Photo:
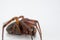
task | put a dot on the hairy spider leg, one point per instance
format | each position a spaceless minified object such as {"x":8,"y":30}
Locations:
{"x":14,"y":18}
{"x":35,"y":22}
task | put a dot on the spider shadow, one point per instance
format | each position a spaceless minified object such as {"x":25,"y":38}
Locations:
{"x":18,"y":37}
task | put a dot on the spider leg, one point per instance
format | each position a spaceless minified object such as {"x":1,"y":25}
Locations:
{"x":39,"y":30}
{"x":35,"y":22}
{"x":17,"y":21}
{"x":10,"y":21}
{"x":24,"y":24}
{"x":14,"y":18}
{"x":7,"y":24}
{"x":21,"y":17}
{"x":32,"y":22}
{"x":2,"y":33}
{"x":31,"y":37}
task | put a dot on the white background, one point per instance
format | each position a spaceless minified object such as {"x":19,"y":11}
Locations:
{"x":47,"y":12}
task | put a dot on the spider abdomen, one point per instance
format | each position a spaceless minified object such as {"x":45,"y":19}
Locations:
{"x":11,"y":29}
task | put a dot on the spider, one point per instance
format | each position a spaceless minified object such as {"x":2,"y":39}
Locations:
{"x":24,"y":26}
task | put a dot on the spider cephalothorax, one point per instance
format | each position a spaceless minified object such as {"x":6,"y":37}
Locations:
{"x":24,"y":26}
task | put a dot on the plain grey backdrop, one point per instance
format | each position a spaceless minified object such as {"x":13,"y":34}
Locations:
{"x":47,"y":12}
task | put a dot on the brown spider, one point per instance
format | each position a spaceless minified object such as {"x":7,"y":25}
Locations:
{"x":24,"y":26}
